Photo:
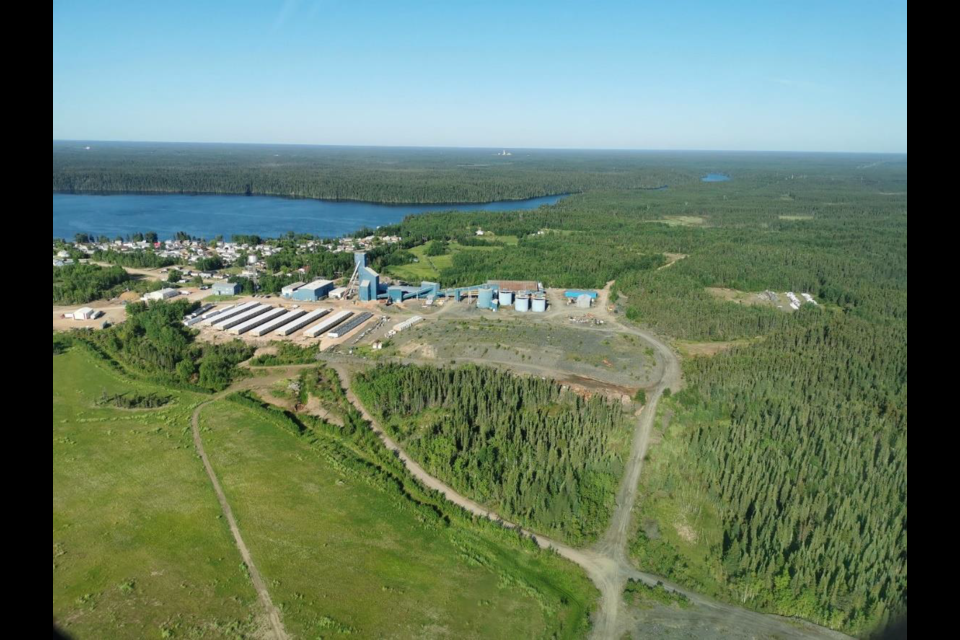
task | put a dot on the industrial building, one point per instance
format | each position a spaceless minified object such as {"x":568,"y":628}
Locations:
{"x":313,"y":291}
{"x":406,"y":324}
{"x":485,"y":297}
{"x":85,"y":313}
{"x":369,"y":288}
{"x":162,"y":294}
{"x":368,"y":279}
{"x":193,"y":318}
{"x":287,"y":291}
{"x":299,"y":323}
{"x":399,"y":293}
{"x":277,"y":322}
{"x":226,"y":288}
{"x":242,"y":317}
{"x":350,"y":325}
{"x":573,"y":294}
{"x":516,"y":286}
{"x":327,"y":324}
{"x":207,"y":317}
{"x":261,"y":318}
{"x":228,"y":312}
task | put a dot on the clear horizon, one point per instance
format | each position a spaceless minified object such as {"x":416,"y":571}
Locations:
{"x":478,"y":148}
{"x":616,"y":76}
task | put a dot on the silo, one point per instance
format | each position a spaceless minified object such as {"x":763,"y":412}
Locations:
{"x":484,"y":298}
{"x":506,"y":297}
{"x":539,"y":304}
{"x":522,"y":303}
{"x":583,"y":301}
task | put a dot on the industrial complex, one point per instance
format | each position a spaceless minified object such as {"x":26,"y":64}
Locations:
{"x":320,"y":310}
{"x":522,"y":295}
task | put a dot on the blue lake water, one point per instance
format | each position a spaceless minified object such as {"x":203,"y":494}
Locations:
{"x":715,"y":177}
{"x":208,"y":216}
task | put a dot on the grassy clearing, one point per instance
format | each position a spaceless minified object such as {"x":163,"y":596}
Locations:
{"x":691,"y":349}
{"x":681,"y":221}
{"x":430,"y":267}
{"x":679,"y":532}
{"x":342,"y":552}
{"x":139,"y":549}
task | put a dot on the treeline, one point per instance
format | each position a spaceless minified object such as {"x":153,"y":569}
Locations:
{"x":79,"y":283}
{"x":547,"y":458}
{"x":139,"y":259}
{"x":153,"y":342}
{"x":286,"y":352}
{"x":552,"y":259}
{"x":395,"y":176}
{"x":133,"y":400}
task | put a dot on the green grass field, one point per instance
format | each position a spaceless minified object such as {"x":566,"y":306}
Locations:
{"x":140,"y":548}
{"x":680,"y":530}
{"x":340,"y":553}
{"x":430,"y":267}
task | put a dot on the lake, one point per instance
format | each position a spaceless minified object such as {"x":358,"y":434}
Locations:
{"x":207,"y":216}
{"x":715,"y":177}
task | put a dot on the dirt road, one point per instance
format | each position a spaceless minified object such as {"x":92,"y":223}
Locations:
{"x":261,"y":587}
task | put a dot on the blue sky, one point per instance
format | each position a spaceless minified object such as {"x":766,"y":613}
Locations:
{"x":793,"y":76}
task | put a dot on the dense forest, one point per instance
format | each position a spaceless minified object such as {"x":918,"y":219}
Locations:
{"x":798,"y":446}
{"x":153,"y":342}
{"x":534,"y":453}
{"x":79,"y":283}
{"x":388,"y":175}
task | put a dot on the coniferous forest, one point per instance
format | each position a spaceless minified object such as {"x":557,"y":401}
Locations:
{"x":778,"y":477}
{"x":521,"y":446}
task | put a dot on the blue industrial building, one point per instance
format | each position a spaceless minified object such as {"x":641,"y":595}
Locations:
{"x":399,"y":293}
{"x":313,"y":291}
{"x":368,"y":279}
{"x":226,"y":288}
{"x":576,"y":293}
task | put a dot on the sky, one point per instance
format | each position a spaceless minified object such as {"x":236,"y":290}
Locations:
{"x":764,"y":75}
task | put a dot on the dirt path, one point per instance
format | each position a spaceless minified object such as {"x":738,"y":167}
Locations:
{"x":672,"y":259}
{"x":272,"y":612}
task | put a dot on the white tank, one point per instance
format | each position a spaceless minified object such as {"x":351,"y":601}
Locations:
{"x":522,"y":303}
{"x":539,"y":304}
{"x":506,"y":297}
